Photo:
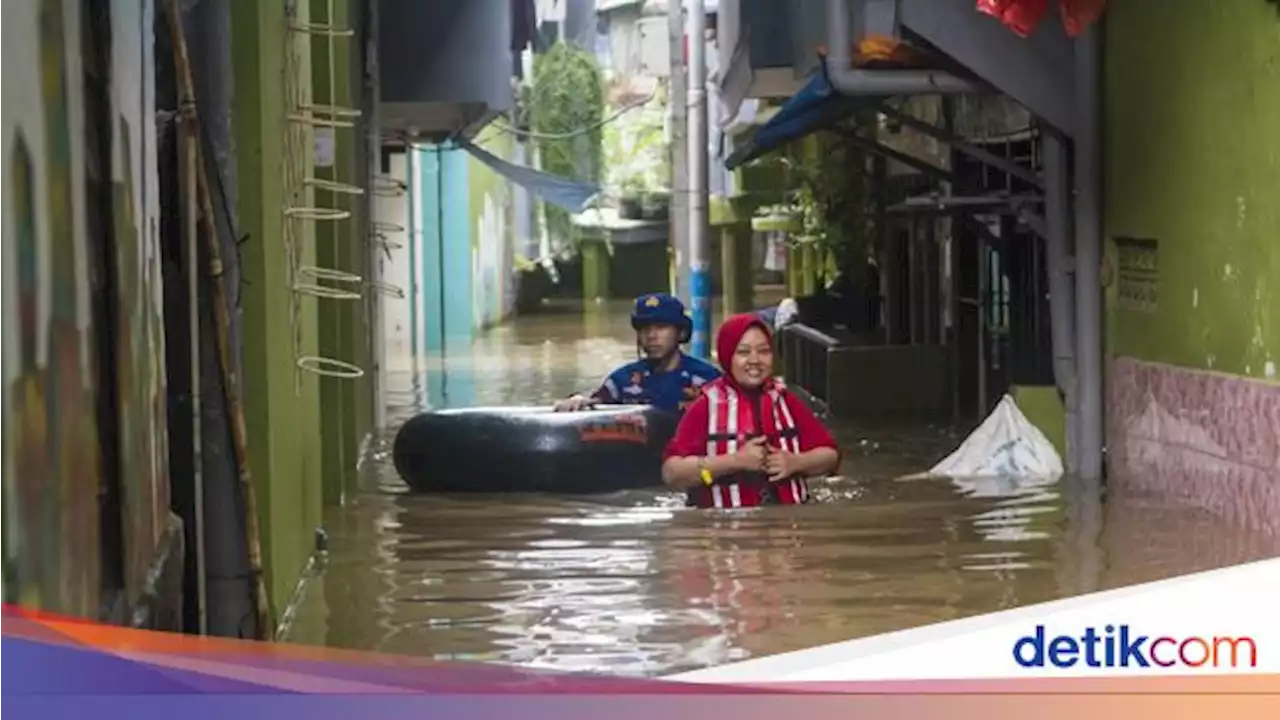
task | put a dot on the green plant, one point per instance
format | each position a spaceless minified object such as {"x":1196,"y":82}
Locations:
{"x":565,"y":108}
{"x":833,"y":196}
{"x":633,"y":186}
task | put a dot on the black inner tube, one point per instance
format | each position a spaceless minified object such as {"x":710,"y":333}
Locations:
{"x":514,"y":449}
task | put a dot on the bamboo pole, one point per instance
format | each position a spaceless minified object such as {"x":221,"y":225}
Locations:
{"x":190,"y":172}
{"x":190,"y":121}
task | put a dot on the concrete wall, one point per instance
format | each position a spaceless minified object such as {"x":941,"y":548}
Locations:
{"x":441,"y":232}
{"x":396,"y":332}
{"x":462,"y":230}
{"x":491,"y":202}
{"x":890,"y":381}
{"x":54,"y":530}
{"x":1193,"y":329}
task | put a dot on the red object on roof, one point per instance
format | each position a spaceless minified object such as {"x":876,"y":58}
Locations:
{"x":1080,"y":14}
{"x":994,"y":8}
{"x":1022,"y":16}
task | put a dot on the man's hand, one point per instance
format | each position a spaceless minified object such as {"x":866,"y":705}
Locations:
{"x":752,"y":454}
{"x":575,"y":403}
{"x":779,"y":465}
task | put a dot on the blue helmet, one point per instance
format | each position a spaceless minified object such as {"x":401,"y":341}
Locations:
{"x":664,"y":309}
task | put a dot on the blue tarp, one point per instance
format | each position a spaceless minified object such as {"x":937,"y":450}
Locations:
{"x":569,"y":194}
{"x":815,"y":107}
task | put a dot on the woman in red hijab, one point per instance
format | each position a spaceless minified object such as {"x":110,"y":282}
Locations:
{"x":746,"y":441}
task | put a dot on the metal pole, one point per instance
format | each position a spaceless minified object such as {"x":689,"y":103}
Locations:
{"x":189,"y":166}
{"x":376,"y":308}
{"x":699,"y":275}
{"x":983,"y":304}
{"x":678,"y":87}
{"x":1088,"y":256}
{"x":1061,"y":285}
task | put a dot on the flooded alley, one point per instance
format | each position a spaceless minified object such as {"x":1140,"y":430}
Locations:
{"x":635,"y":584}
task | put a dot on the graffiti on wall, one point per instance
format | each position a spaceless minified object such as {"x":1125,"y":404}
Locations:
{"x":493,"y":241}
{"x":51,"y":459}
{"x":488,"y":288}
{"x":52,"y":463}
{"x":139,"y":331}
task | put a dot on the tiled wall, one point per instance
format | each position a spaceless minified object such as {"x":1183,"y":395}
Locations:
{"x":1210,"y":439}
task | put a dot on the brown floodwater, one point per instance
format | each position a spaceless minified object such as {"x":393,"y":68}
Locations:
{"x":634,"y":583}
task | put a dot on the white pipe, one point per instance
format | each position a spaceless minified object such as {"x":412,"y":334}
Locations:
{"x":848,"y":80}
{"x":699,"y":270}
{"x":377,"y":305}
{"x":679,"y":151}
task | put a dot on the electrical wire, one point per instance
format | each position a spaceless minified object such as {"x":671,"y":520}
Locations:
{"x":502,"y":127}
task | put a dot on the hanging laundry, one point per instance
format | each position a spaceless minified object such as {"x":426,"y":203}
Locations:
{"x":1023,"y":16}
{"x":995,"y":8}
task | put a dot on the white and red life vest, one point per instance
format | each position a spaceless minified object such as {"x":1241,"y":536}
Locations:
{"x":730,"y":422}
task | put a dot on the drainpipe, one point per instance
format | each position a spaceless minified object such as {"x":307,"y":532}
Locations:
{"x":849,"y":80}
{"x":699,"y":275}
{"x":1061,"y":284}
{"x":1088,"y":253}
{"x":376,"y":307}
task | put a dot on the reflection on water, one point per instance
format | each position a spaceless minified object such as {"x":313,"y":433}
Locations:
{"x":634,"y":583}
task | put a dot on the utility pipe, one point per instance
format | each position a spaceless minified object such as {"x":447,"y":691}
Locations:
{"x":376,"y":305}
{"x":848,"y":80}
{"x":1088,"y":253}
{"x":679,"y":152}
{"x":699,"y":232}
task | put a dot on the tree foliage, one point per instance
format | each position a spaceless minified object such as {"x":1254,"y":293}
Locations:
{"x":565,"y":108}
{"x":833,"y":194}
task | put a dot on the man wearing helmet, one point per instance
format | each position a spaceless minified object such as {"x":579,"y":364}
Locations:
{"x":663,"y":377}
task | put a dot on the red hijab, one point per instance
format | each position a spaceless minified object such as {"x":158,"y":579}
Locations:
{"x":727,"y":339}
{"x":691,"y":434}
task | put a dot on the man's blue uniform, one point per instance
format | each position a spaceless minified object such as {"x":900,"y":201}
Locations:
{"x":638,"y":383}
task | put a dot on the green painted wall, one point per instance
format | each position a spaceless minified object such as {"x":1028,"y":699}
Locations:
{"x":1193,"y":161}
{"x":1044,"y":409}
{"x":282,"y":405}
{"x":346,"y":403}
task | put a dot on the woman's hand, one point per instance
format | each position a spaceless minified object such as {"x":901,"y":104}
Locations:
{"x":779,"y":465}
{"x":751,"y":456}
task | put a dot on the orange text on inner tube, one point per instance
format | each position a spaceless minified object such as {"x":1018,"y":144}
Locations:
{"x":625,"y":429}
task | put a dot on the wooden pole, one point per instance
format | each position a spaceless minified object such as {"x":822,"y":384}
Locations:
{"x":222,"y":316}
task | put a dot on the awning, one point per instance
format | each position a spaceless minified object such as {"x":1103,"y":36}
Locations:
{"x":815,"y":107}
{"x":571,"y":195}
